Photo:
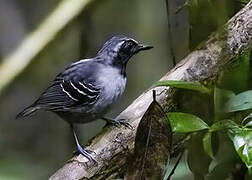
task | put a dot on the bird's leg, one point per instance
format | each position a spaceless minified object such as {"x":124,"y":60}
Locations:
{"x":80,"y":149}
{"x":117,"y":123}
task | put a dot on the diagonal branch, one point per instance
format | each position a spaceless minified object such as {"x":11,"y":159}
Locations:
{"x":113,"y":144}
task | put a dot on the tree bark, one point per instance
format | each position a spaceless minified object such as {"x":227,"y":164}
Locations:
{"x":113,"y":144}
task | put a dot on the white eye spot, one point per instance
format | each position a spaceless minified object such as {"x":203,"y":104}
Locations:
{"x":118,"y":46}
{"x":134,"y":41}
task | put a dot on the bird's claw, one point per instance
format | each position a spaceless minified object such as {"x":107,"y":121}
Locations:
{"x":120,"y":122}
{"x":86,"y":153}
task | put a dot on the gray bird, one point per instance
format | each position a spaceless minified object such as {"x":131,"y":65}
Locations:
{"x":87,"y":89}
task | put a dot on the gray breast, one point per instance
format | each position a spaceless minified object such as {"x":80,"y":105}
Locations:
{"x":113,"y":85}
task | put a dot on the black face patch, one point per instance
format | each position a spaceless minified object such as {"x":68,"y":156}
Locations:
{"x":127,"y":50}
{"x":128,"y":47}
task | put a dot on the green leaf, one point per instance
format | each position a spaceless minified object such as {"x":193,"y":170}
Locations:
{"x":243,"y":2}
{"x":242,"y":101}
{"x":184,"y":122}
{"x":249,"y":173}
{"x":245,"y":120}
{"x":198,"y":161}
{"x":195,"y":86}
{"x":223,"y":125}
{"x":223,"y":94}
{"x":242,"y":140}
{"x":207,"y":144}
{"x":249,"y":124}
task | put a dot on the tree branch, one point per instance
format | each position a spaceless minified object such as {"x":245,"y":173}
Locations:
{"x":113,"y":144}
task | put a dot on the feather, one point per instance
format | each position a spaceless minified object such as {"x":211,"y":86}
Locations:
{"x":27,"y":111}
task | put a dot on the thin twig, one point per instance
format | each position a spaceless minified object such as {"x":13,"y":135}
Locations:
{"x":146,"y":150}
{"x":187,"y":3}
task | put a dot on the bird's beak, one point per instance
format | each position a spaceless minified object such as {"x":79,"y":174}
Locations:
{"x":142,"y":47}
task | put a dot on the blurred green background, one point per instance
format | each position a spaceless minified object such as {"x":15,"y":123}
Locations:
{"x":35,"y":147}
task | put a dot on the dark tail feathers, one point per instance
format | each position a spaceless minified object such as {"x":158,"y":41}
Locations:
{"x":27,"y":111}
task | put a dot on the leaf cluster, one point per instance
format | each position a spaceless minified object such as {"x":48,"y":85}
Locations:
{"x":240,"y":134}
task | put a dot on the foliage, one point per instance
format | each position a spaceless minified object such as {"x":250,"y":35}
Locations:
{"x":195,"y":86}
{"x":239,"y":133}
{"x":184,"y":123}
{"x":242,"y":101}
{"x":242,"y":139}
{"x":243,"y":2}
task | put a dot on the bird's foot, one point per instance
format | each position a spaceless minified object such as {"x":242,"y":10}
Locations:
{"x":118,"y":123}
{"x":85,"y":152}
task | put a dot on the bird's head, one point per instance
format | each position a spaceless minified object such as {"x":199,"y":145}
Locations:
{"x":119,"y":49}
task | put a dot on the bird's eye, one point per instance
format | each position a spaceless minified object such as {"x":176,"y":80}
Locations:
{"x":128,"y":46}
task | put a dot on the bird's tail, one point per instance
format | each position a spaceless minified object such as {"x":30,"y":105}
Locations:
{"x":27,"y":111}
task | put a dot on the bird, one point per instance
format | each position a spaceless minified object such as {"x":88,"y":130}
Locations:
{"x":87,"y":88}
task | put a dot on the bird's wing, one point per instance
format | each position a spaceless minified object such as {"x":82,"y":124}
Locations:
{"x":70,"y":89}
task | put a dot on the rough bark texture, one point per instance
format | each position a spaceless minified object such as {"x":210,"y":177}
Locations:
{"x":113,"y":144}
